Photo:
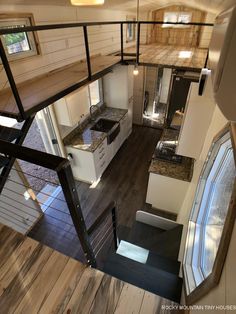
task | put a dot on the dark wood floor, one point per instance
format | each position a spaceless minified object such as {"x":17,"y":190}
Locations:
{"x":124,"y":181}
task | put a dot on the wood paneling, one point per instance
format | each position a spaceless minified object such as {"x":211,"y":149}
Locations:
{"x":181,"y":36}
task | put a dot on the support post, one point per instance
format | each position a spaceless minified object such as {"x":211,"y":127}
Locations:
{"x":114,"y":223}
{"x":138,"y":42}
{"x":122,"y":42}
{"x":11,"y":80}
{"x":87,"y":52}
{"x":68,"y":187}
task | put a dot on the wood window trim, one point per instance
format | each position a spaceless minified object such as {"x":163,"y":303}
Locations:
{"x":213,"y":279}
{"x":30,"y":16}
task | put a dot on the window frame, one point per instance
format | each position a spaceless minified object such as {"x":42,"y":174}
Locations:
{"x":133,"y":27}
{"x":100,"y":86}
{"x":213,"y":278}
{"x":32,"y":36}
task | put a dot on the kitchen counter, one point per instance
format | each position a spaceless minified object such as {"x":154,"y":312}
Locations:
{"x":181,"y":171}
{"x":88,"y":140}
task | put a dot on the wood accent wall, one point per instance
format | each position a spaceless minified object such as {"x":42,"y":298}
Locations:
{"x":187,"y":36}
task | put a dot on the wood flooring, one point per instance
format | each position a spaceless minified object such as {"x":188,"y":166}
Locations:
{"x":170,"y":56}
{"x":125,"y":181}
{"x":36,"y":279}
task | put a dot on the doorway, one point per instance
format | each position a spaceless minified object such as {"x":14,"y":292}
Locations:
{"x":156,"y":95}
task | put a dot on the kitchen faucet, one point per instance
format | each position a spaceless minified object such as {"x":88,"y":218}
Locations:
{"x":92,"y":111}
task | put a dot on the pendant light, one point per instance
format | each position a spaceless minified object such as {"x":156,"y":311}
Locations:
{"x":87,"y":2}
{"x":136,"y":71}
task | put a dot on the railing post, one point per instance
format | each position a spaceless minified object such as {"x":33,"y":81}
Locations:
{"x":87,"y":52}
{"x":114,"y":223}
{"x":138,"y":42}
{"x":11,"y":80}
{"x":69,"y":189}
{"x":122,"y":42}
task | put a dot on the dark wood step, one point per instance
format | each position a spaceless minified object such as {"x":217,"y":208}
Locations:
{"x":9,"y":134}
{"x":163,"y":242}
{"x":164,"y":263}
{"x":159,"y":212}
{"x":154,"y":280}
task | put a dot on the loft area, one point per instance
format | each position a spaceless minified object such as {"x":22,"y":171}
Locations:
{"x":57,"y":83}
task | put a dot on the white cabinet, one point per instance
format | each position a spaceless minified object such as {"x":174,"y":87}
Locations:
{"x":88,"y":166}
{"x":70,"y":109}
{"x":197,"y":118}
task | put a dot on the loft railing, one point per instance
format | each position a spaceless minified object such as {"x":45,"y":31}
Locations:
{"x":92,"y":239}
{"x":85,"y":26}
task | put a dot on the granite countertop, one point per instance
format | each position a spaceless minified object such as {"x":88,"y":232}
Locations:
{"x":181,"y":171}
{"x":88,"y":140}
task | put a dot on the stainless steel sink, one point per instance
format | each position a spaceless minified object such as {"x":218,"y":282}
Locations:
{"x":112,"y":128}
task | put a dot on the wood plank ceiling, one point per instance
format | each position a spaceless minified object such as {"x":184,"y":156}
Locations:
{"x":213,"y":6}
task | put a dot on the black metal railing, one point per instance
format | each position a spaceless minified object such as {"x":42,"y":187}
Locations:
{"x":63,"y":169}
{"x":90,"y":77}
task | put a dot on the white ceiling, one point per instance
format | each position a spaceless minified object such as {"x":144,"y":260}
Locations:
{"x":214,"y":6}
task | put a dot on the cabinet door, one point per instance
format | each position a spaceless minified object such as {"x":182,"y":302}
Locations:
{"x":70,"y":109}
{"x":82,"y":165}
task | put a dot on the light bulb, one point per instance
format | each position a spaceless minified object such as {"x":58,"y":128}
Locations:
{"x":135,"y":72}
{"x":87,"y":2}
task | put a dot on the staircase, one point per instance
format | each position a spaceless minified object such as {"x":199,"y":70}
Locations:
{"x":147,"y":257}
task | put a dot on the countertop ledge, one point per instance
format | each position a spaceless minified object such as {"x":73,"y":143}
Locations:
{"x":88,"y":140}
{"x":181,"y":171}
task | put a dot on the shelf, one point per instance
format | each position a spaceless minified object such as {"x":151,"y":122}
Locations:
{"x":43,"y":90}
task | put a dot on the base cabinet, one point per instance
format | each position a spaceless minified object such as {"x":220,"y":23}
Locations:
{"x":89,"y":166}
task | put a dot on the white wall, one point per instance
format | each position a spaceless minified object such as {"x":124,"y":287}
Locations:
{"x":64,"y":46}
{"x":15,"y":211}
{"x":224,"y":293}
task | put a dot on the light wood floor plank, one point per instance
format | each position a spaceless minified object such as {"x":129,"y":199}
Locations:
{"x":107,"y":296}
{"x":14,"y":263}
{"x":64,"y":288}
{"x":43,"y":284}
{"x":21,"y":283}
{"x":130,"y":300}
{"x":85,"y":292}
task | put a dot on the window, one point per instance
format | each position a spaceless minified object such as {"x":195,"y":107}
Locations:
{"x":18,"y":45}
{"x":95,"y":93}
{"x":211,"y":208}
{"x":130,"y":29}
{"x":177,"y":17}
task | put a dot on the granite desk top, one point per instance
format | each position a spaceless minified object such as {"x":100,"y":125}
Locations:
{"x":180,"y":171}
{"x":88,"y":140}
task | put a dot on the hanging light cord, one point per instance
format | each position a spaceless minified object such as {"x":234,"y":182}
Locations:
{"x":137,"y":20}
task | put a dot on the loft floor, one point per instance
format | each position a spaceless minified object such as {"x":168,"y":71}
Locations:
{"x":124,"y":181}
{"x":36,"y":94}
{"x":36,"y":279}
{"x":169,"y":55}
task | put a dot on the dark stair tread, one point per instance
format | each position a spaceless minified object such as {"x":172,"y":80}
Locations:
{"x":159,"y":212}
{"x":9,"y":134}
{"x":3,"y":161}
{"x":162,"y":242}
{"x":164,"y":263}
{"x":123,"y":232}
{"x":154,"y":280}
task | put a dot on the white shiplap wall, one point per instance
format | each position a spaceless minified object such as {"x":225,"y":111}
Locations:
{"x":65,"y":46}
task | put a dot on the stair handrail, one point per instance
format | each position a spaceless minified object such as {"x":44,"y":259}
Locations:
{"x":63,"y":169}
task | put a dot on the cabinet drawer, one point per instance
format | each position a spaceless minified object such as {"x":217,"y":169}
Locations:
{"x":100,"y":152}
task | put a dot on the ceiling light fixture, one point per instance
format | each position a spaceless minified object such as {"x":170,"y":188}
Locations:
{"x":87,"y":2}
{"x":136,"y":71}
